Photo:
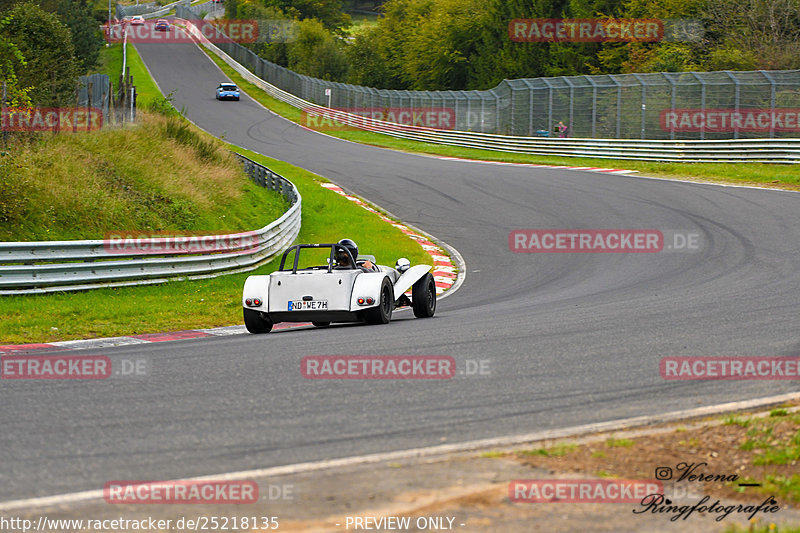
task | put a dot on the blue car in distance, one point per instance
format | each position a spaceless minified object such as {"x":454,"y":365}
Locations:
{"x":227,"y":91}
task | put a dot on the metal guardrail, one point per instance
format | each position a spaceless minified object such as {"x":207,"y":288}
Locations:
{"x":783,"y":150}
{"x":52,"y":266}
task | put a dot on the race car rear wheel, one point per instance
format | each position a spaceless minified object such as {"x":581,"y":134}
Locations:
{"x":423,"y":297}
{"x":382,"y":314}
{"x":255,"y":323}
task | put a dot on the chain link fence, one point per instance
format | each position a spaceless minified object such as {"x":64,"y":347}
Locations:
{"x":658,"y":106}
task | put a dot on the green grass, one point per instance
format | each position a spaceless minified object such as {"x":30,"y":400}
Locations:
{"x":108,"y":181}
{"x":559,"y":450}
{"x":770,"y":175}
{"x":769,"y":446}
{"x":619,"y":443}
{"x":109,"y":62}
{"x":146,"y":89}
{"x":761,"y":438}
{"x":762,"y":528}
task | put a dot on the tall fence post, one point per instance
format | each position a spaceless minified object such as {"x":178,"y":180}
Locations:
{"x":672,"y":103}
{"x":619,"y":104}
{"x":644,"y":103}
{"x":771,"y":102}
{"x":571,"y":125}
{"x":594,"y":106}
{"x":736,"y":101}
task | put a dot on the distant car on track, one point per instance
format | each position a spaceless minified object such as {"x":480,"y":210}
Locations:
{"x":227,"y":91}
{"x":137,"y":20}
{"x":346,"y":289}
{"x":162,"y":25}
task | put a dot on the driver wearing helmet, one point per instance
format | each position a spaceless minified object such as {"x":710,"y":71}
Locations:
{"x":343,"y":260}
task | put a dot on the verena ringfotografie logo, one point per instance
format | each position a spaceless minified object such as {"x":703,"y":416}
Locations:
{"x":727,"y":120}
{"x":353,"y":118}
{"x":730,"y":368}
{"x":582,"y":490}
{"x":549,"y":30}
{"x":51,"y":119}
{"x":217,"y":31}
{"x":180,"y":492}
{"x":609,"y":241}
{"x":70,"y":367}
{"x":378,"y":367}
{"x":137,"y":243}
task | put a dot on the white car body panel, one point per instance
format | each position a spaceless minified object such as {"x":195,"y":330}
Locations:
{"x":318,"y":284}
{"x":367,"y":284}
{"x":256,"y":287}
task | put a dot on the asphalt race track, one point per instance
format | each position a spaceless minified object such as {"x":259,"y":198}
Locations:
{"x":570,"y":338}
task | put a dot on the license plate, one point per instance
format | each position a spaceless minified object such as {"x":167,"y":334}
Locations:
{"x":306,"y":305}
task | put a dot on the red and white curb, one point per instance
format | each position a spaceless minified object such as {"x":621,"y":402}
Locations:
{"x":531,"y":165}
{"x":444,"y":272}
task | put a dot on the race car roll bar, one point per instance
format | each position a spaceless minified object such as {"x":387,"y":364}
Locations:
{"x":333,"y":246}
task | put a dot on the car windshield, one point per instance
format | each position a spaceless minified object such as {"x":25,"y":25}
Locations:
{"x":228,"y":87}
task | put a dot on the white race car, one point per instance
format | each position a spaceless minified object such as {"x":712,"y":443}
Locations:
{"x":348,"y":288}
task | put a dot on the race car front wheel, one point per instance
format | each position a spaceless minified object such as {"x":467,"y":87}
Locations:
{"x":423,"y":297}
{"x":255,"y":323}
{"x":382,"y":314}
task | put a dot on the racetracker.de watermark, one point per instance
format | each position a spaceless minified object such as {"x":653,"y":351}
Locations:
{"x":730,"y":368}
{"x":726,"y":120}
{"x":378,"y":367}
{"x":181,"y":492}
{"x":71,"y":367}
{"x":354,"y":118}
{"x":609,"y":241}
{"x":140,"y":243}
{"x":51,"y":119}
{"x":582,"y":490}
{"x":557,"y":30}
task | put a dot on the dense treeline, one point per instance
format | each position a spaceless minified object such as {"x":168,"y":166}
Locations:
{"x":465,"y":44}
{"x":44,"y":47}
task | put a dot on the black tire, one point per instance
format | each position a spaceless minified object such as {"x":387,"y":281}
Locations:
{"x":382,"y":314}
{"x":321,"y":324}
{"x":423,"y":297}
{"x":237,"y":98}
{"x":255,"y":323}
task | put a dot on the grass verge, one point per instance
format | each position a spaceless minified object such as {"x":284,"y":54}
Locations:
{"x":759,"y":174}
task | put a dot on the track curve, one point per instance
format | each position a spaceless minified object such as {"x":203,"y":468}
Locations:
{"x":570,"y":338}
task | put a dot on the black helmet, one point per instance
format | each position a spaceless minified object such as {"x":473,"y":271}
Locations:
{"x":341,"y":257}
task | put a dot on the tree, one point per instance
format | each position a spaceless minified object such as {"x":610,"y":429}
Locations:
{"x":86,"y":38}
{"x":46,"y":45}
